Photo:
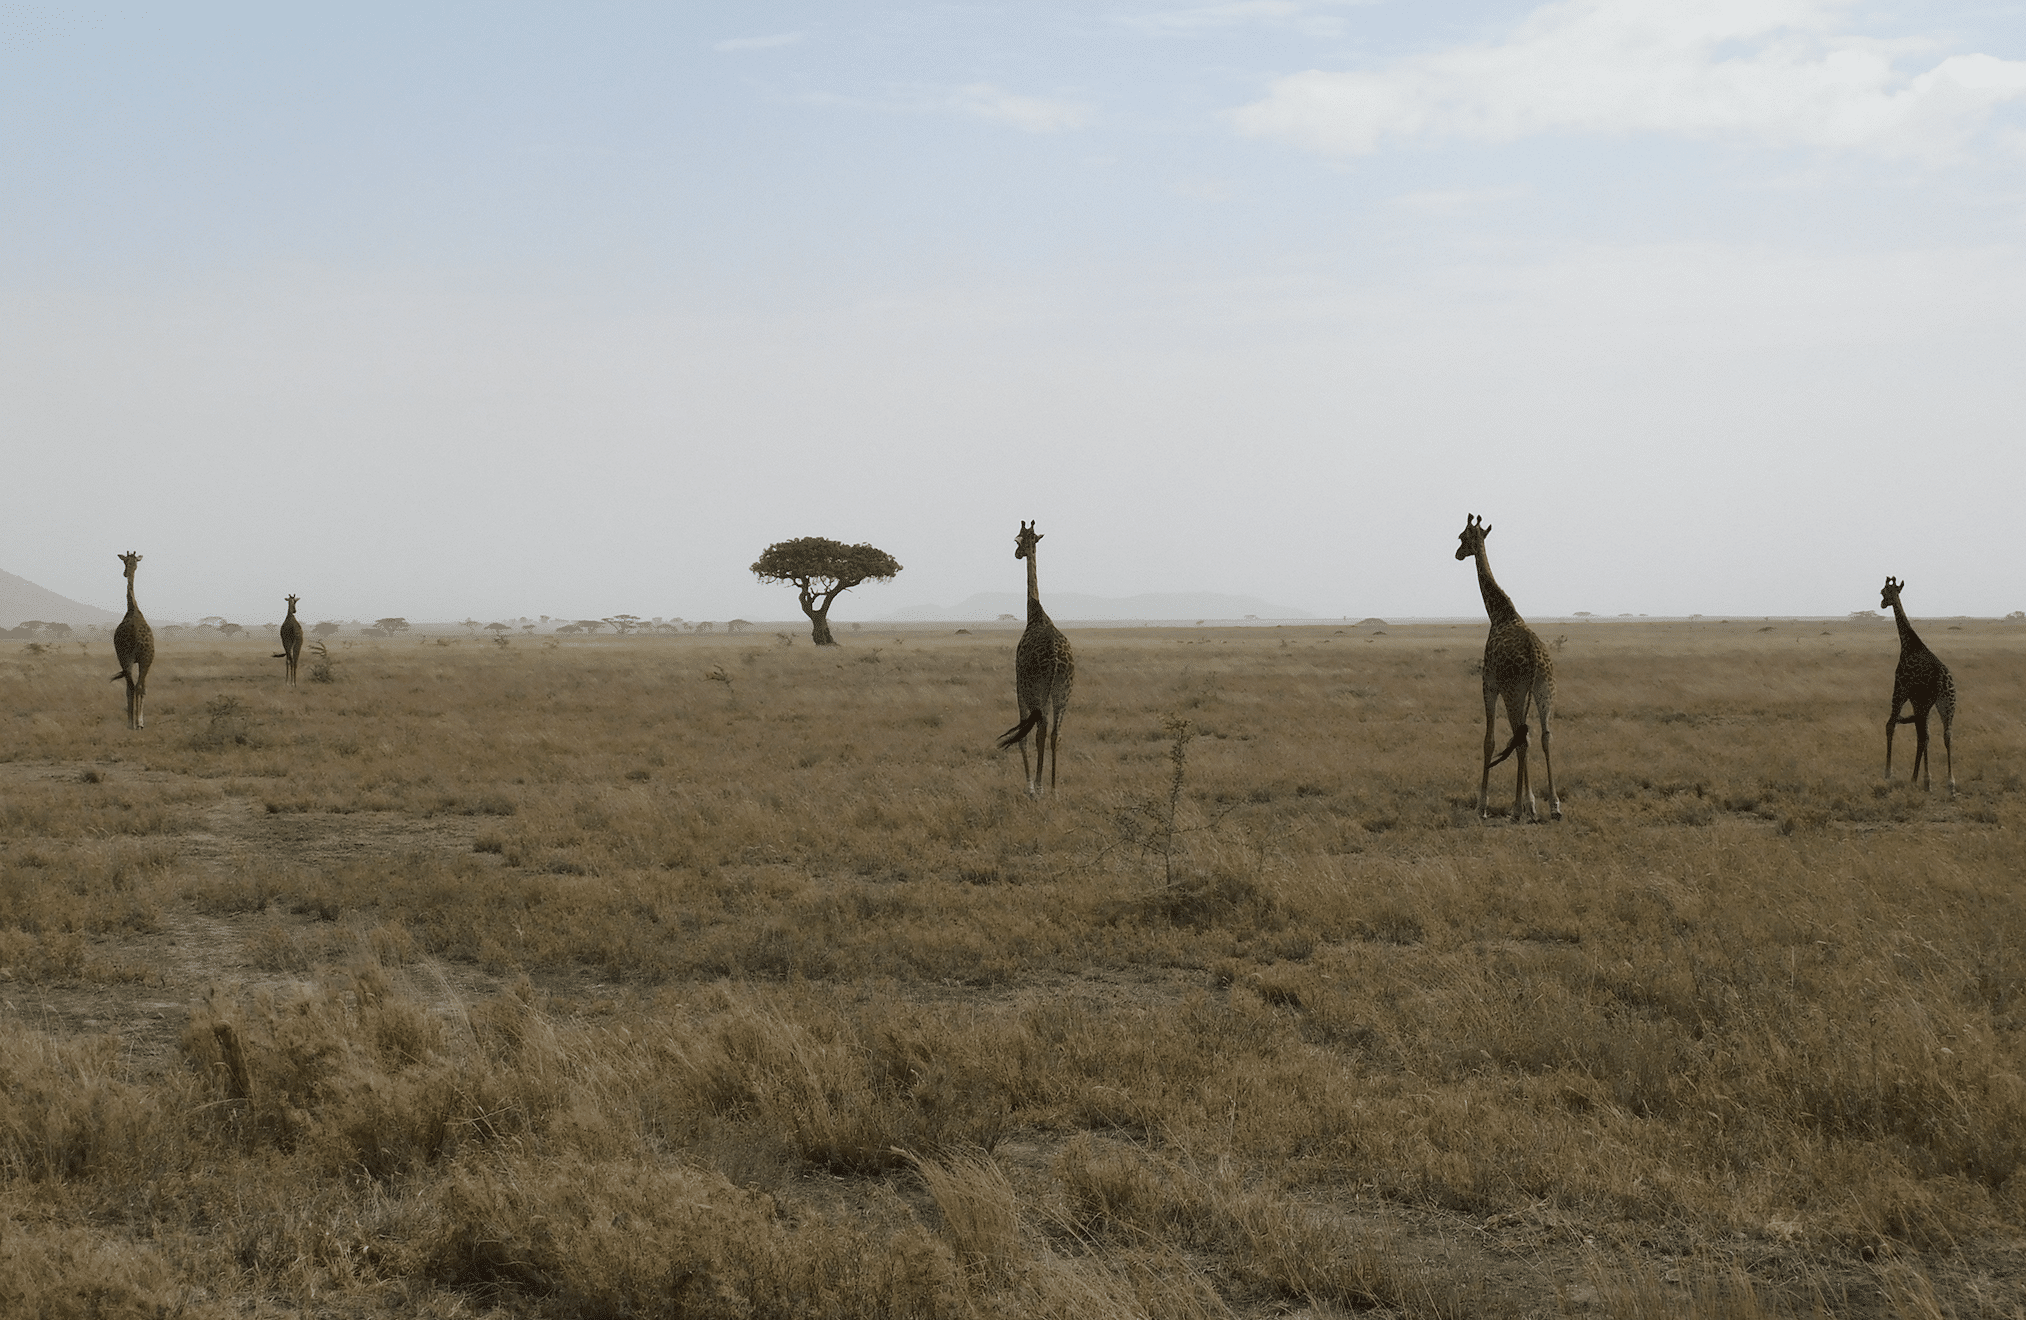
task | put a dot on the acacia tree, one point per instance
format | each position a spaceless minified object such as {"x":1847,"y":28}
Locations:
{"x":822,"y":568}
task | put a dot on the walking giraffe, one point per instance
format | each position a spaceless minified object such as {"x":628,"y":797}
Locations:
{"x":1043,"y":673}
{"x":291,"y":641}
{"x":1517,"y":668}
{"x":1920,"y":678}
{"x":134,"y":648}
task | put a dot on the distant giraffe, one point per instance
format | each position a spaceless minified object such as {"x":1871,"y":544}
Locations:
{"x":1920,"y":678}
{"x":134,"y":648}
{"x":1517,"y":668}
{"x":291,"y":640}
{"x":1043,"y":673}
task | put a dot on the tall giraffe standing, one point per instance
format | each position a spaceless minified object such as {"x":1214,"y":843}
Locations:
{"x":1516,"y":667}
{"x":134,"y":648}
{"x":1043,"y":673}
{"x":291,"y":640}
{"x":1920,"y":678}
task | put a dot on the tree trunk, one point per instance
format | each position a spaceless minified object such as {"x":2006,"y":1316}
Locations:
{"x":819,"y":623}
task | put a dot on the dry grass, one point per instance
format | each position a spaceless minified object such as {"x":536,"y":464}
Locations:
{"x":703,"y":976}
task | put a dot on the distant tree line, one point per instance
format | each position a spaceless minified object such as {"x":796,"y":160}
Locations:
{"x":30,"y":629}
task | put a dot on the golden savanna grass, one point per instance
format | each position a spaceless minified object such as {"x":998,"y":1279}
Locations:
{"x":728,"y":977}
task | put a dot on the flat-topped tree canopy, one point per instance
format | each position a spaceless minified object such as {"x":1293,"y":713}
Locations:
{"x":823,"y":569}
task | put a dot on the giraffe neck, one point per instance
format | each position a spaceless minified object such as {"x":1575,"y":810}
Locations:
{"x":132,"y":607}
{"x":1034,"y":610}
{"x":1909,"y":640}
{"x":1496,"y":603}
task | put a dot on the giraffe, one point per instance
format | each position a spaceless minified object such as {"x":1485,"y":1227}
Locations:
{"x":1043,"y":673}
{"x":134,"y":648}
{"x":1517,"y":668}
{"x":291,"y":641}
{"x":1920,"y":678}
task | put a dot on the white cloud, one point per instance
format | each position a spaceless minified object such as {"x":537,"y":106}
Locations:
{"x":1032,"y":114}
{"x":1301,"y":15}
{"x":763,"y":43}
{"x":1774,"y":72}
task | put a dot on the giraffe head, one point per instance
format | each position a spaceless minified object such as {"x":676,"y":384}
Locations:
{"x":132,"y":561}
{"x":1471,"y":539}
{"x":1023,"y":545}
{"x":291,"y":603}
{"x":1888,"y":595}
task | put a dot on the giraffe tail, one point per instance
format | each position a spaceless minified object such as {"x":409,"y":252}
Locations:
{"x":1013,"y":735}
{"x":1518,"y":743}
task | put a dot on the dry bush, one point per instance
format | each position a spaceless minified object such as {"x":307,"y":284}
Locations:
{"x":75,"y":1273}
{"x":981,"y":1214}
{"x":68,"y":1112}
{"x":621,"y":1239}
{"x":846,"y":1090}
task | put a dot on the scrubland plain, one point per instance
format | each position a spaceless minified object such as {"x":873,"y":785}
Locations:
{"x":732,"y":977}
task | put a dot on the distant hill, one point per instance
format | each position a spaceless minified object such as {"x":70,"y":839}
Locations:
{"x":21,"y":599}
{"x":1062,"y":605}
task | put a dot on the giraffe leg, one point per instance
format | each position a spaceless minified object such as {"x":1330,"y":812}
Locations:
{"x":1522,"y":788}
{"x":1949,"y":752}
{"x":1484,"y":783}
{"x":1054,"y":751}
{"x":1920,"y":750}
{"x":1892,"y":722}
{"x":1040,"y":755}
{"x":1541,"y":703}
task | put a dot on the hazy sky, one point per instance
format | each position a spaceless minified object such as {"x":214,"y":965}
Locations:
{"x":1707,"y":305}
